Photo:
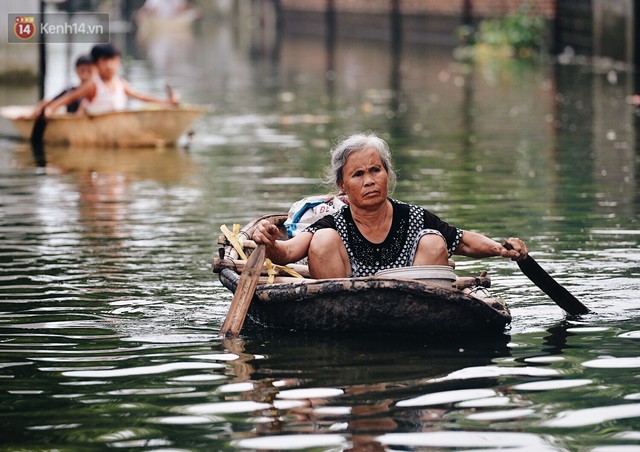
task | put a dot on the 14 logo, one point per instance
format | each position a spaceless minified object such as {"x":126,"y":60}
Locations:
{"x":24,"y":27}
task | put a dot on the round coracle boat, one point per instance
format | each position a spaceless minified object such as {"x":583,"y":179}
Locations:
{"x":420,"y":300}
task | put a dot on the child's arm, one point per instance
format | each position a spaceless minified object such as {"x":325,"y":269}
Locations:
{"x":87,"y":89}
{"x":144,"y":97}
{"x":40,"y":107}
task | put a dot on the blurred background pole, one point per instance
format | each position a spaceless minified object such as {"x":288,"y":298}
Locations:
{"x":42,"y":54}
{"x":396,"y":45}
{"x":330,"y":45}
{"x":396,"y":123}
{"x":330,"y":24}
{"x":277,"y":7}
{"x":396,"y":27}
{"x":636,"y":45}
{"x":467,"y":13}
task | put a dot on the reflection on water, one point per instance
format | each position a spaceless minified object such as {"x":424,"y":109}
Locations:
{"x":163,"y":165}
{"x":109,"y":312}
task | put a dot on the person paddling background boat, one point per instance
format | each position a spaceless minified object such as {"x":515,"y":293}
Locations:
{"x":84,"y":71}
{"x":105,"y":91}
{"x":374,"y":232}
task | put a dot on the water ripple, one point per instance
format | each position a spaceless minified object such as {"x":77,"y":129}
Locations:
{"x":144,"y":370}
{"x":292,"y":442}
{"x":466,"y":440}
{"x":593,"y":416}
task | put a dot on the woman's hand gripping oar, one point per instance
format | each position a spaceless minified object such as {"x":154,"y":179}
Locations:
{"x":244,"y":293}
{"x":544,"y":281}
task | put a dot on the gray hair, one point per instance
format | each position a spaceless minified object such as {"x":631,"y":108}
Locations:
{"x":354,"y":143}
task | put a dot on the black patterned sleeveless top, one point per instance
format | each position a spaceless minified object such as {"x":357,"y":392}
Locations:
{"x":408,"y":222}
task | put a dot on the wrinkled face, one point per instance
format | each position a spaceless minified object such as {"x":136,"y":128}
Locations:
{"x":108,"y":67}
{"x":364,"y":178}
{"x":84,"y":72}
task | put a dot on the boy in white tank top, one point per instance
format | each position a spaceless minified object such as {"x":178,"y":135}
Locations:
{"x":105,"y":91}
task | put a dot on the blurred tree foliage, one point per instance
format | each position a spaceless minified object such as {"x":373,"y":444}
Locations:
{"x":520,"y":34}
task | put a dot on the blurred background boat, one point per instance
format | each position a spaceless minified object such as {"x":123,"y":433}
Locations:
{"x":128,"y":128}
{"x":159,"y":18}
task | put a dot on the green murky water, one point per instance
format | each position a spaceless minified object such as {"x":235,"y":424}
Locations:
{"x":109,"y":312}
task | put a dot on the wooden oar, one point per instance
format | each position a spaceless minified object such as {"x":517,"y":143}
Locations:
{"x":171,"y":94}
{"x":243,"y":294}
{"x":544,"y":281}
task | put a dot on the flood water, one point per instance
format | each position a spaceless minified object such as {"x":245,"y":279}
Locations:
{"x":109,"y":311}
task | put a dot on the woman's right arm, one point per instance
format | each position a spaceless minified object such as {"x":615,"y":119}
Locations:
{"x":281,"y":252}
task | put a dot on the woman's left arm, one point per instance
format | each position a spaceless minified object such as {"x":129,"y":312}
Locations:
{"x":477,"y":245}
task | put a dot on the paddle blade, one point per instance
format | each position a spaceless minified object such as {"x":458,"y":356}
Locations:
{"x":555,"y":291}
{"x":243,"y":294}
{"x":37,"y":140}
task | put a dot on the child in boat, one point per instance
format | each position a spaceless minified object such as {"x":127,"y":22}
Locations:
{"x":105,"y":91}
{"x":84,"y":70}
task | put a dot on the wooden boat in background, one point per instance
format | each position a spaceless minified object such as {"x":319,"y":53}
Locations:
{"x":364,"y":304}
{"x":127,"y":128}
{"x":152,"y":26}
{"x":171,"y":19}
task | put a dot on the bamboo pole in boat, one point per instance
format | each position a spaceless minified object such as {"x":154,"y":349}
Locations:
{"x":238,"y":265}
{"x":243,"y":294}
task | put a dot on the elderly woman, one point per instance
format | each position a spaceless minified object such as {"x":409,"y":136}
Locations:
{"x":375,"y":232}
